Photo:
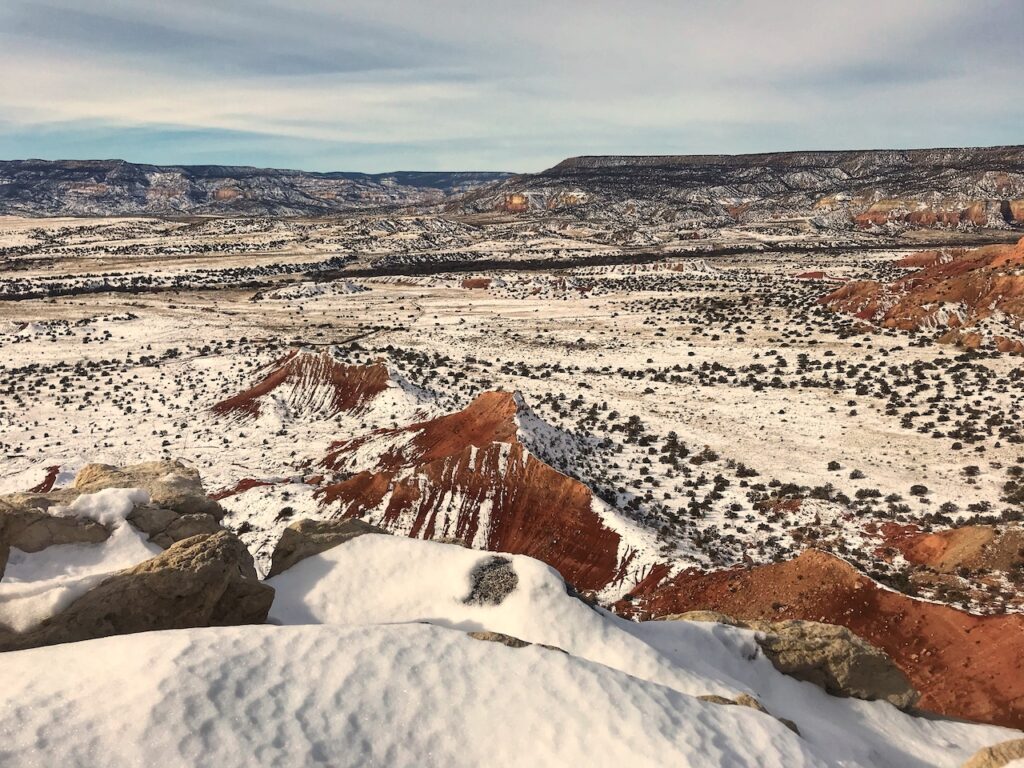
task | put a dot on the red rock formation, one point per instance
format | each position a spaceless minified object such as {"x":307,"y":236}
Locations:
{"x":310,"y":381}
{"x":476,"y":282}
{"x":240,"y":487}
{"x":468,"y":477}
{"x":47,"y":484}
{"x":964,"y":665}
{"x":977,"y":213}
{"x":973,"y":284}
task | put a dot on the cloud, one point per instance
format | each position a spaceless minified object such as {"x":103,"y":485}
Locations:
{"x":372,"y":85}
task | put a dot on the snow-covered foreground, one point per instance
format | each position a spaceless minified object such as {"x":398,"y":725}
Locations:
{"x":374,"y":667}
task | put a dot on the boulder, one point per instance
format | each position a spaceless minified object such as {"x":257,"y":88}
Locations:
{"x":997,"y":755}
{"x":305,"y":538}
{"x":170,"y":485}
{"x":206,"y":580}
{"x":27,"y":527}
{"x":828,"y":655}
{"x":835,"y":659}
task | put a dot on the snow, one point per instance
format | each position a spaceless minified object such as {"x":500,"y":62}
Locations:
{"x":372,"y":666}
{"x":406,"y":695}
{"x":107,"y":507}
{"x":38,"y":585}
{"x":377,"y":579}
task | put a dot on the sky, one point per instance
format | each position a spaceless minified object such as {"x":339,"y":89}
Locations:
{"x":383,"y":85}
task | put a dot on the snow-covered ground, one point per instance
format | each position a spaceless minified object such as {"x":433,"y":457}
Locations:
{"x":371,"y":664}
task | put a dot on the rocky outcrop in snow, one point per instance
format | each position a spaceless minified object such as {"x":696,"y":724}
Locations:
{"x":305,"y":538}
{"x":202,"y":581}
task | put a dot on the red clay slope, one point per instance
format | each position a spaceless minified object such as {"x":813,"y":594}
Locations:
{"x":310,"y":381}
{"x":964,"y":665}
{"x":467,"y":477}
{"x":978,"y":282}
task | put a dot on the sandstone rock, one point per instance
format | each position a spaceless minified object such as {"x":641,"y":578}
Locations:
{"x":997,"y":755}
{"x":498,"y":637}
{"x":511,"y":642}
{"x":827,"y":655}
{"x":834,"y":658}
{"x":207,"y":580}
{"x":305,"y":538}
{"x":493,"y":581}
{"x":31,"y":529}
{"x":709,"y":616}
{"x":746,"y":700}
{"x":170,"y":485}
{"x":178,"y":508}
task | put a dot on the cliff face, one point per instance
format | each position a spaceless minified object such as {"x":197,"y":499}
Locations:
{"x":863,"y":189}
{"x":115,"y":187}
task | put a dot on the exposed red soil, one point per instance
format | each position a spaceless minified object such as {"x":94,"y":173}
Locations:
{"x":301,"y":375}
{"x":47,"y":484}
{"x":240,"y":487}
{"x":964,"y":665}
{"x":819,"y":275}
{"x":476,"y":283}
{"x":467,"y":472}
{"x":979,"y":281}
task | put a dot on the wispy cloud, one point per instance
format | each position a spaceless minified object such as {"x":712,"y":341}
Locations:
{"x":375,"y":85}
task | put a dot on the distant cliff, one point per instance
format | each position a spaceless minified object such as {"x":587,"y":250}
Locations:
{"x":116,"y":187}
{"x":956,"y":188}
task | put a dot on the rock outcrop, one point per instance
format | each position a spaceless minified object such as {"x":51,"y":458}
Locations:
{"x":305,"y":538}
{"x":974,"y":297}
{"x":178,"y":508}
{"x":207,"y":580}
{"x":828,"y":655}
{"x":31,"y":529}
{"x":998,"y":755}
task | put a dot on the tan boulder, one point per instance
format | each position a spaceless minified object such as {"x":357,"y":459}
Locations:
{"x":832,"y":657}
{"x":997,"y":755}
{"x":170,"y":484}
{"x":305,"y":538}
{"x":207,"y":580}
{"x":31,"y":529}
{"x":828,"y":655}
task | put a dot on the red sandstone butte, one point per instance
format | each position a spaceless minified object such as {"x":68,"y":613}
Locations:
{"x":301,"y":377}
{"x":467,"y":477}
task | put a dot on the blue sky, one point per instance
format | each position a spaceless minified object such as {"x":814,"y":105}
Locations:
{"x":377,"y":85}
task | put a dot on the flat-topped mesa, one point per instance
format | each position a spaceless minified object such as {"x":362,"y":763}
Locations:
{"x":309,"y":383}
{"x":469,"y":477}
{"x":875,"y":190}
{"x":854,"y":162}
{"x":975,"y":296}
